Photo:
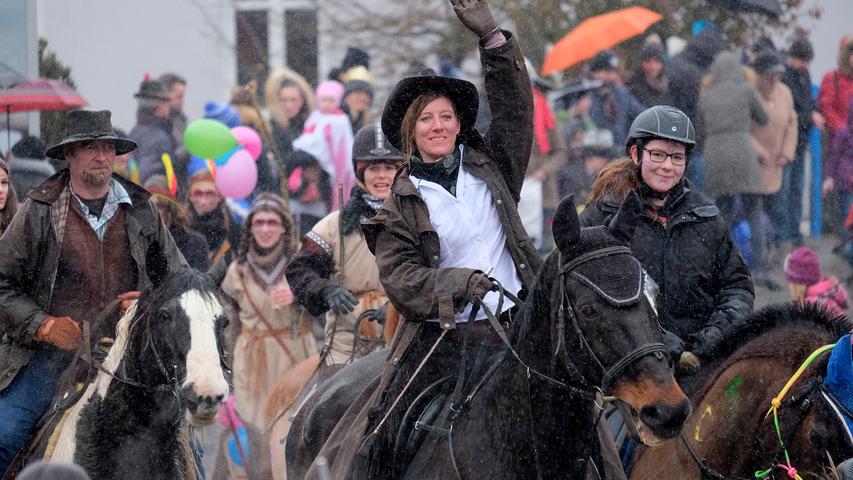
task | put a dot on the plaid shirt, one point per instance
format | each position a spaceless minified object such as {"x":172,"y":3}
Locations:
{"x":116,"y":196}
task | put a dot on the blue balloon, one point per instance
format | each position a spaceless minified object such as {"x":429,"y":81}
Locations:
{"x":196,"y":164}
{"x":233,"y":451}
{"x":221,"y":161}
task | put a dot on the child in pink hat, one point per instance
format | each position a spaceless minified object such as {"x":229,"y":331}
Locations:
{"x":805,"y":284}
{"x":333,"y":125}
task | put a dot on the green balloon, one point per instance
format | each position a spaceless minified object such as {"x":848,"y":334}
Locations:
{"x":208,"y":138}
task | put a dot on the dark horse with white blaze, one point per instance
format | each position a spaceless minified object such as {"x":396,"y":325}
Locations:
{"x":730,"y":434}
{"x":164,"y":369}
{"x":587,"y":327}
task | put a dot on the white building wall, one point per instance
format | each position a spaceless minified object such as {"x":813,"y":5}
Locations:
{"x":110,"y":45}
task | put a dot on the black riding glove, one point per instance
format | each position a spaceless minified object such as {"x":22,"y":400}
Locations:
{"x":340,"y":300}
{"x":705,"y":342}
{"x":674,"y":345}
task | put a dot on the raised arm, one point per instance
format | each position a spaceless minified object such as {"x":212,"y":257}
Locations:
{"x":508,"y":90}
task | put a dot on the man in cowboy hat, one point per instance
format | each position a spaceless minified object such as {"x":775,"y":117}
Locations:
{"x":153,"y":130}
{"x":83,"y":238}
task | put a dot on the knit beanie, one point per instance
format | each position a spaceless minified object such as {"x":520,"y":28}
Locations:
{"x":223,"y":112}
{"x":330,"y":88}
{"x":802,"y":266}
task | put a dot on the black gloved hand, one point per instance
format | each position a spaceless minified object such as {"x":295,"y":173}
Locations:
{"x":674,"y":345}
{"x":705,"y":342}
{"x":340,"y":300}
{"x":476,"y":15}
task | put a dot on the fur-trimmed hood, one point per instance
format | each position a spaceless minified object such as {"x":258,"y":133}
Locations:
{"x":271,"y":93}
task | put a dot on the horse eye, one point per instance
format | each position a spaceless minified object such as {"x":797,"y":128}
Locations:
{"x":588,"y":311}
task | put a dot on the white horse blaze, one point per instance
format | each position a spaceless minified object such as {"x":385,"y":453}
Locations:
{"x":204,"y":371}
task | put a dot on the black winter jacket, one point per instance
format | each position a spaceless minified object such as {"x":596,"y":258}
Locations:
{"x":686,"y":69}
{"x":705,"y":286}
{"x":800,"y":83}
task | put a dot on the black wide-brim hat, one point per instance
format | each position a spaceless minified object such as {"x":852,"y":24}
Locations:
{"x":85,"y":126}
{"x":462,"y":93}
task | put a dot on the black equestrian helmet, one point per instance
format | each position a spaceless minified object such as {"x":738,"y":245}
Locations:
{"x":664,"y":122}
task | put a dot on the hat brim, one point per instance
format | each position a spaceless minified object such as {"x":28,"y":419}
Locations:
{"x":123,"y":145}
{"x":462,"y":93}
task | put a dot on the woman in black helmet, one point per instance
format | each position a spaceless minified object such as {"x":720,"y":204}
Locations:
{"x":682,"y":240}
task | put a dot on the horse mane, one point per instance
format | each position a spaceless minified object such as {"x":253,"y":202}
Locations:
{"x":786,"y":314}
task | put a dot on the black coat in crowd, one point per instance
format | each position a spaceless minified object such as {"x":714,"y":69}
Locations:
{"x":706,"y":290}
{"x":686,"y":69}
{"x":800,"y":83}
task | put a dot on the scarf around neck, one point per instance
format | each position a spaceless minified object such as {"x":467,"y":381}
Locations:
{"x":361,"y":205}
{"x":267,"y":264}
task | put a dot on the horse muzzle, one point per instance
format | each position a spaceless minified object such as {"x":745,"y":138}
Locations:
{"x":654,"y":411}
{"x":202,"y":407}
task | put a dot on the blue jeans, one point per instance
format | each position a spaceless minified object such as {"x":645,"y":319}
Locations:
{"x":26,"y":399}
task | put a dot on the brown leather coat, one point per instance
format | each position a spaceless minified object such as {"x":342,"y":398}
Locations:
{"x":406,"y":244}
{"x":29,"y":259}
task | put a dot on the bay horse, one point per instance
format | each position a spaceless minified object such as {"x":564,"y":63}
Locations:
{"x":297,"y":385}
{"x":163,"y":372}
{"x":586,"y":329}
{"x":729,"y":433}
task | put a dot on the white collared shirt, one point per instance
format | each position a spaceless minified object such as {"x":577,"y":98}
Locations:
{"x":470,"y":233}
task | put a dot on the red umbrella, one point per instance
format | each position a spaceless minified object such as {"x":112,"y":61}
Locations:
{"x":38,"y":95}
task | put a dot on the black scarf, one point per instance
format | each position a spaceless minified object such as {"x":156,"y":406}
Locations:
{"x":213,"y":225}
{"x":443,"y":172}
{"x":360,"y":205}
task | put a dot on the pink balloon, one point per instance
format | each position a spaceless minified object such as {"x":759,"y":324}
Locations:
{"x":237,"y":178}
{"x":249,"y":139}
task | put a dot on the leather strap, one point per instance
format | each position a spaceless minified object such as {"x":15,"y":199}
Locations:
{"x":263,"y":319}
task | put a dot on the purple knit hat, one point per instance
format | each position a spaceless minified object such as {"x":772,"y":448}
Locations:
{"x":802,"y":266}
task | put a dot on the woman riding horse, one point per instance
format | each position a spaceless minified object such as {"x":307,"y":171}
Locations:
{"x":320,"y":282}
{"x":449,"y":223}
{"x":681,"y":240}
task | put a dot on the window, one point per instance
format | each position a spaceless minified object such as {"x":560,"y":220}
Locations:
{"x":252,"y":47}
{"x":300,"y":36}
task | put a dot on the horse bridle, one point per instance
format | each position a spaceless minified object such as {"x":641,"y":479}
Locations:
{"x":565,"y":309}
{"x":802,"y":399}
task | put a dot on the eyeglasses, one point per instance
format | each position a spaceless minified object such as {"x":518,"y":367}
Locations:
{"x":659,"y":156}
{"x":200,"y":194}
{"x":260,"y":223}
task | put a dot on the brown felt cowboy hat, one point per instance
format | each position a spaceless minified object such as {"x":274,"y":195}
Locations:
{"x":462,"y":93}
{"x":85,"y":126}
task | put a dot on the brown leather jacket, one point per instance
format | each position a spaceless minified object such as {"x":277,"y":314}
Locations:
{"x":29,"y":256}
{"x":407,"y":247}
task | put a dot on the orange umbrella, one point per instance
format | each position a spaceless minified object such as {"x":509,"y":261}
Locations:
{"x":597,"y":33}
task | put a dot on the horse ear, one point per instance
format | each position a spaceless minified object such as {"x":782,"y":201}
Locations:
{"x":566,"y":226}
{"x":625,"y":221}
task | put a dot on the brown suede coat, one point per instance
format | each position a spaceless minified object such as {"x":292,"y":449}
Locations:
{"x":407,"y":247}
{"x":29,"y":261}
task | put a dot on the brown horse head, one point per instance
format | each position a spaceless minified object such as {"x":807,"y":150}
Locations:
{"x":611,"y":334}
